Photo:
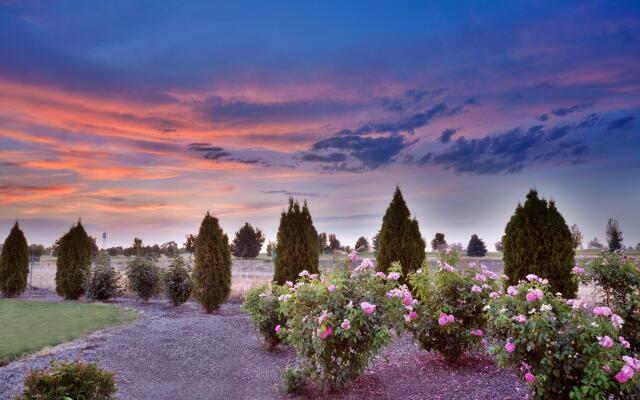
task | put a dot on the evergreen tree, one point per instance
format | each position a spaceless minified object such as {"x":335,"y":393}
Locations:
{"x":400,"y":238}
{"x":614,"y":235}
{"x":212,"y":273}
{"x":375,"y":240}
{"x":73,"y":263}
{"x":538,"y":241}
{"x":248,"y":242}
{"x":14,"y":263}
{"x":476,"y":247}
{"x":362,"y":244}
{"x":297,"y":248}
{"x":439,"y":243}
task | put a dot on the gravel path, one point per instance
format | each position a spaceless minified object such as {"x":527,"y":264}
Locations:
{"x":181,"y":353}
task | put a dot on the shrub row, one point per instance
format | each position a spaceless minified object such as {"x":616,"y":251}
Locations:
{"x":563,"y":348}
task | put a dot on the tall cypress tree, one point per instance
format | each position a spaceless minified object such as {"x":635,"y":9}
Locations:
{"x":476,"y":247}
{"x":73,"y":263}
{"x":400,"y":238}
{"x":298,"y":247}
{"x":538,"y":241}
{"x":14,"y":263}
{"x":212,"y":273}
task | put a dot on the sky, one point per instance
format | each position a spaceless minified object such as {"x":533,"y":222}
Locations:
{"x":138,"y":117}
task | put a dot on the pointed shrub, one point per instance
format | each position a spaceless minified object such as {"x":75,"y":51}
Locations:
{"x":177,"y":282}
{"x":212,"y":273}
{"x":143,"y":277}
{"x":298,"y":248}
{"x":73,"y":262}
{"x":400,"y":239}
{"x":538,"y":241}
{"x":14,"y":263}
{"x":476,"y":247}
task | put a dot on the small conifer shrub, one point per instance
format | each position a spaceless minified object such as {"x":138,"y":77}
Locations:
{"x":14,"y":263}
{"x":212,"y":273}
{"x":177,"y":282}
{"x":476,"y":247}
{"x":538,"y":241}
{"x":400,"y":239}
{"x":69,"y":380}
{"x":298,"y":248}
{"x":104,"y":281}
{"x":143,"y":277}
{"x":73,"y":262}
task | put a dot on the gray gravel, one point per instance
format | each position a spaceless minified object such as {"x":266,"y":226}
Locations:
{"x":183,"y":353}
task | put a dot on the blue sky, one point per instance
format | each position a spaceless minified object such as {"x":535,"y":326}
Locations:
{"x":139,"y":117}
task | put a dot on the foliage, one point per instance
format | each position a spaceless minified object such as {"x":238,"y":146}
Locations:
{"x":499,"y":246}
{"x":170,"y":249}
{"x":334,"y":243}
{"x":450,"y":309}
{"x":614,"y":235}
{"x":375,"y":240}
{"x":595,"y":244}
{"x":538,"y":241}
{"x":297,"y":248}
{"x":476,"y":247}
{"x":14,"y":263}
{"x":143,"y":277}
{"x":36,"y":250}
{"x":563,"y":349}
{"x":103,"y":281}
{"x":576,"y":235}
{"x":438,"y":243}
{"x":73,"y":262}
{"x":400,"y":238}
{"x":212,"y":274}
{"x":190,"y":243}
{"x":69,"y":380}
{"x":362,"y":244}
{"x":263,"y":307}
{"x":338,"y":324}
{"x":618,"y":280}
{"x":271,"y":246}
{"x":177,"y":282}
{"x":247,"y":242}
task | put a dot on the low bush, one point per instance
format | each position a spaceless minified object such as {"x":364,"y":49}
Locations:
{"x":618,"y":280}
{"x":563,"y":349}
{"x":177,"y":282}
{"x":450,"y":312}
{"x":143,"y":277}
{"x":338,"y":323}
{"x":103,"y":281}
{"x":263,"y":305}
{"x":69,"y":380}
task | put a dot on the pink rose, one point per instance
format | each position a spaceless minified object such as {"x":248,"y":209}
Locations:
{"x":367,"y":308}
{"x":494,"y":295}
{"x":412,"y":315}
{"x":605,"y":341}
{"x":278,"y":328}
{"x":445,"y":319}
{"x":476,"y":289}
{"x":624,"y":343}
{"x":617,"y":321}
{"x":325,"y":333}
{"x":331,"y":288}
{"x":393,"y":276}
{"x":529,"y":377}
{"x":624,"y":374}
{"x":632,"y":362}
{"x":346,"y":325}
{"x":521,"y":319}
{"x":380,"y":274}
{"x":477,"y":332}
{"x":510,"y":347}
{"x":602,"y":311}
{"x":511,"y":291}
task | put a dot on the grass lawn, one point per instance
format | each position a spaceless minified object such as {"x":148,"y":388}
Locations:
{"x":28,"y":326}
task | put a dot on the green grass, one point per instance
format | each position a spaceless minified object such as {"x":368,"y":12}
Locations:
{"x":28,"y":326}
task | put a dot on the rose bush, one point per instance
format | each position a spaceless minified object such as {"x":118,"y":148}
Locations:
{"x":263,"y":307}
{"x":562,"y":348}
{"x":338,"y":323}
{"x":450,"y":317}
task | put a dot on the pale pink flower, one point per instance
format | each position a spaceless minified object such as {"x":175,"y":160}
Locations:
{"x":632,"y":362}
{"x":278,"y":328}
{"x":304,"y":273}
{"x":380,"y":274}
{"x":532,"y":277}
{"x":617,"y":321}
{"x":365,"y":264}
{"x":494,"y":295}
{"x":331,"y":288}
{"x":323,"y":317}
{"x":289,"y":283}
{"x":481,"y":278}
{"x":447,"y":267}
{"x":605,"y":341}
{"x":602,"y":311}
{"x":606,"y":368}
{"x":325,"y":333}
{"x":624,"y":374}
{"x":367,"y":308}
{"x":393,"y":276}
{"x":529,"y":377}
{"x":476,"y":289}
{"x":521,"y":319}
{"x":512,"y":291}
{"x":510,"y":347}
{"x":577,"y":270}
{"x":624,"y":343}
{"x":346,"y":325}
{"x":407,"y":300}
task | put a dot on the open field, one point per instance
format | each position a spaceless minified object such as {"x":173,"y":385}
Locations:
{"x":29,"y":326}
